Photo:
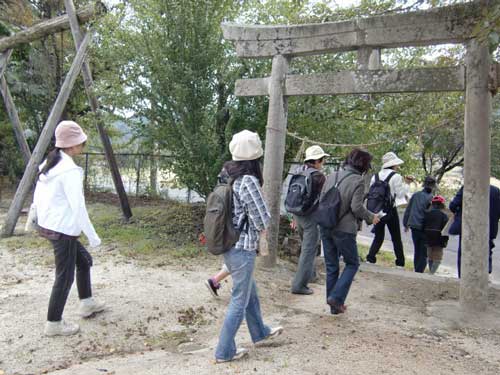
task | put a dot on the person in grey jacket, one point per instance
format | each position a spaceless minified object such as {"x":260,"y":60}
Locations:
{"x":342,"y":239}
{"x":414,"y":219}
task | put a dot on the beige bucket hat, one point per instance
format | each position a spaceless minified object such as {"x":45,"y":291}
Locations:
{"x":314,"y":153}
{"x":246,"y":145}
{"x":390,"y":159}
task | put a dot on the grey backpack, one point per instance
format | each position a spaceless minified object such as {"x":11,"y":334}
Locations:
{"x":220,"y":233}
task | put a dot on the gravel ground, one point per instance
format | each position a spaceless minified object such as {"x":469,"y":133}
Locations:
{"x":161,"y":320}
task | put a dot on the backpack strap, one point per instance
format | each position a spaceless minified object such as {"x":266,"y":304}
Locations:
{"x":244,"y":224}
{"x":336,"y":185}
{"x":389,"y":177}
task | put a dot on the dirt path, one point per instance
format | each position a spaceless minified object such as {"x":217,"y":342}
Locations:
{"x":158,"y":315}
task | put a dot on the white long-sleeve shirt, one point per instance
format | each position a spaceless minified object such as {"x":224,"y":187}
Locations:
{"x":399,"y":190}
{"x":60,"y":203}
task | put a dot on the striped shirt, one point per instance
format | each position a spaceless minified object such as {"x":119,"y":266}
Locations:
{"x":248,"y":201}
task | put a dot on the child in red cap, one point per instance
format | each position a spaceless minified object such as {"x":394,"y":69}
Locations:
{"x":434,"y":221}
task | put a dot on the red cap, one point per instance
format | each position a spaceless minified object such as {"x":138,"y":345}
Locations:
{"x":438,"y":199}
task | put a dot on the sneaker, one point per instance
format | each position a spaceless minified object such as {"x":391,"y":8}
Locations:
{"x":306,"y":291}
{"x":90,"y":306}
{"x":60,"y":328}
{"x":275,"y":332}
{"x":212,"y":287}
{"x":240,"y":353}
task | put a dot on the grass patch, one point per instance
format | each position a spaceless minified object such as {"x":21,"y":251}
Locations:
{"x":168,"y":229}
{"x":168,"y":340}
{"x":384,"y":258}
{"x":29,"y":241}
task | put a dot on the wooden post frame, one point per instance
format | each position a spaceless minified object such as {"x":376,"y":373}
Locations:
{"x":11,"y":108}
{"x":43,"y":142}
{"x":49,"y":27}
{"x":94,"y":105}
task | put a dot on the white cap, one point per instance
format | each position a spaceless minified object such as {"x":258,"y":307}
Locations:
{"x":246,"y":145}
{"x":314,"y":153}
{"x":390,"y":160}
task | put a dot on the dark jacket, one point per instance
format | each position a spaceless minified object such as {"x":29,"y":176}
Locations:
{"x":352,"y":193}
{"x":456,"y":208}
{"x":414,"y":213}
{"x":433,"y":223}
{"x":318,"y":180}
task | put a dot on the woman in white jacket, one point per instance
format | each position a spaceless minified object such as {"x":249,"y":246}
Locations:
{"x":62,"y":216}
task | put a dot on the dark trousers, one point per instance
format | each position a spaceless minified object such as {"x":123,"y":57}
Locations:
{"x":69,"y":253}
{"x":336,"y":243}
{"x":420,"y":253}
{"x":392,"y":222}
{"x":459,"y":255}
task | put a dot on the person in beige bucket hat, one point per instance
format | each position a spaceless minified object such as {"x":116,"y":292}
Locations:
{"x":250,"y":213}
{"x":303,"y":221}
{"x":399,"y":191}
{"x":61,"y":218}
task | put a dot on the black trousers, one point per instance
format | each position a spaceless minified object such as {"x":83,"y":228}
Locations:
{"x":392,"y":222}
{"x":69,"y":254}
{"x":420,"y":253}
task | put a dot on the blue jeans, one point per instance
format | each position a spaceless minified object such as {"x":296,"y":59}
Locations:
{"x":244,"y":303}
{"x":336,"y":243}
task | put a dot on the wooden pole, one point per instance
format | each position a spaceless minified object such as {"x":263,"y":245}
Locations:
{"x":94,"y":105}
{"x":11,"y":109}
{"x":475,"y":218}
{"x":31,"y":170}
{"x":274,"y":156}
{"x":4,"y":60}
{"x":51,"y":26}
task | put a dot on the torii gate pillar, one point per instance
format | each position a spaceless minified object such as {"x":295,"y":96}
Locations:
{"x":475,"y":223}
{"x":274,"y":156}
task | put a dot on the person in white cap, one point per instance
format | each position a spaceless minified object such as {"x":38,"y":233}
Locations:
{"x":61,"y":218}
{"x":399,"y":192}
{"x":307,"y":227}
{"x":250,"y":213}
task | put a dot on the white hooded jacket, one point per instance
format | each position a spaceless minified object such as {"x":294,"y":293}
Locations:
{"x":60,"y":203}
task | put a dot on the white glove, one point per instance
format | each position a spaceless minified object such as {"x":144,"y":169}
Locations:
{"x":94,"y":242}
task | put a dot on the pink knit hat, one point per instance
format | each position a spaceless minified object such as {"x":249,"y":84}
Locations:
{"x":69,"y":134}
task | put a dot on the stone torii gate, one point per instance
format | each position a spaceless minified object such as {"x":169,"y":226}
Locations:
{"x":368,"y":36}
{"x":68,"y":21}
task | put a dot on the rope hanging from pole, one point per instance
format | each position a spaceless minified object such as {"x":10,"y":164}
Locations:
{"x":307,"y":140}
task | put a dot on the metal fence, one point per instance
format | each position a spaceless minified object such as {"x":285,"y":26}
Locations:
{"x":146,"y":174}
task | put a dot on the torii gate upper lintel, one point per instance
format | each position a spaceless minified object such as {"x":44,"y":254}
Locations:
{"x":451,"y":24}
{"x":57,"y":24}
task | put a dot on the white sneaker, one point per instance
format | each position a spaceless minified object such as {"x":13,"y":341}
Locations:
{"x":240,"y":353}
{"x":275,"y":332}
{"x":89,"y":306}
{"x":60,"y":328}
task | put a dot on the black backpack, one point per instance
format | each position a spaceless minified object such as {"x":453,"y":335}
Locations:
{"x":328,"y":213}
{"x":220,"y":233}
{"x":379,"y":197}
{"x":299,"y":198}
